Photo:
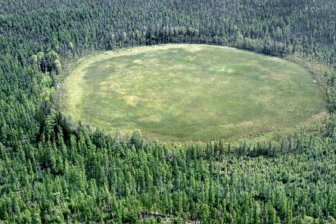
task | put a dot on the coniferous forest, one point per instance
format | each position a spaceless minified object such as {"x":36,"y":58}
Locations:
{"x":56,"y":170}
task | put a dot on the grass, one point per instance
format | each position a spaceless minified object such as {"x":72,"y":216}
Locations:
{"x":191,"y":92}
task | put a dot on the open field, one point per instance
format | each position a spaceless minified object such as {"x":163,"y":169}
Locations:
{"x":191,"y":92}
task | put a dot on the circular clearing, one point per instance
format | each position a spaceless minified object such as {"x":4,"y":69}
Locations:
{"x":191,"y":92}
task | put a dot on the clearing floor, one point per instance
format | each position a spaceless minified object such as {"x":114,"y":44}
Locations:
{"x":191,"y":92}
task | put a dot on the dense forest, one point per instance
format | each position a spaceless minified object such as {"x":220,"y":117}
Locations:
{"x":56,"y":170}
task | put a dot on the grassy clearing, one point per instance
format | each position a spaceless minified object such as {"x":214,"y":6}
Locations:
{"x":191,"y":92}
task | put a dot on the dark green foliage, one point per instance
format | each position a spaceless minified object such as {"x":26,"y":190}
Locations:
{"x":53,"y":170}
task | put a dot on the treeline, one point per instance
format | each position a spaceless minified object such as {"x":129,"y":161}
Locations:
{"x":75,"y":174}
{"x":53,"y":170}
{"x":270,"y":27}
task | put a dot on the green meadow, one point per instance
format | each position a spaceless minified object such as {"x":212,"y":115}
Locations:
{"x":191,"y":92}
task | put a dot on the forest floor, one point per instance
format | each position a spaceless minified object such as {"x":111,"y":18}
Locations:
{"x":191,"y":92}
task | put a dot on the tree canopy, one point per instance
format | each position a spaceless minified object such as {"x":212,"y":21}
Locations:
{"x":55,"y":170}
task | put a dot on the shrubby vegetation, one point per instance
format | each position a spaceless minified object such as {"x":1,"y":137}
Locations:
{"x":53,"y":170}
